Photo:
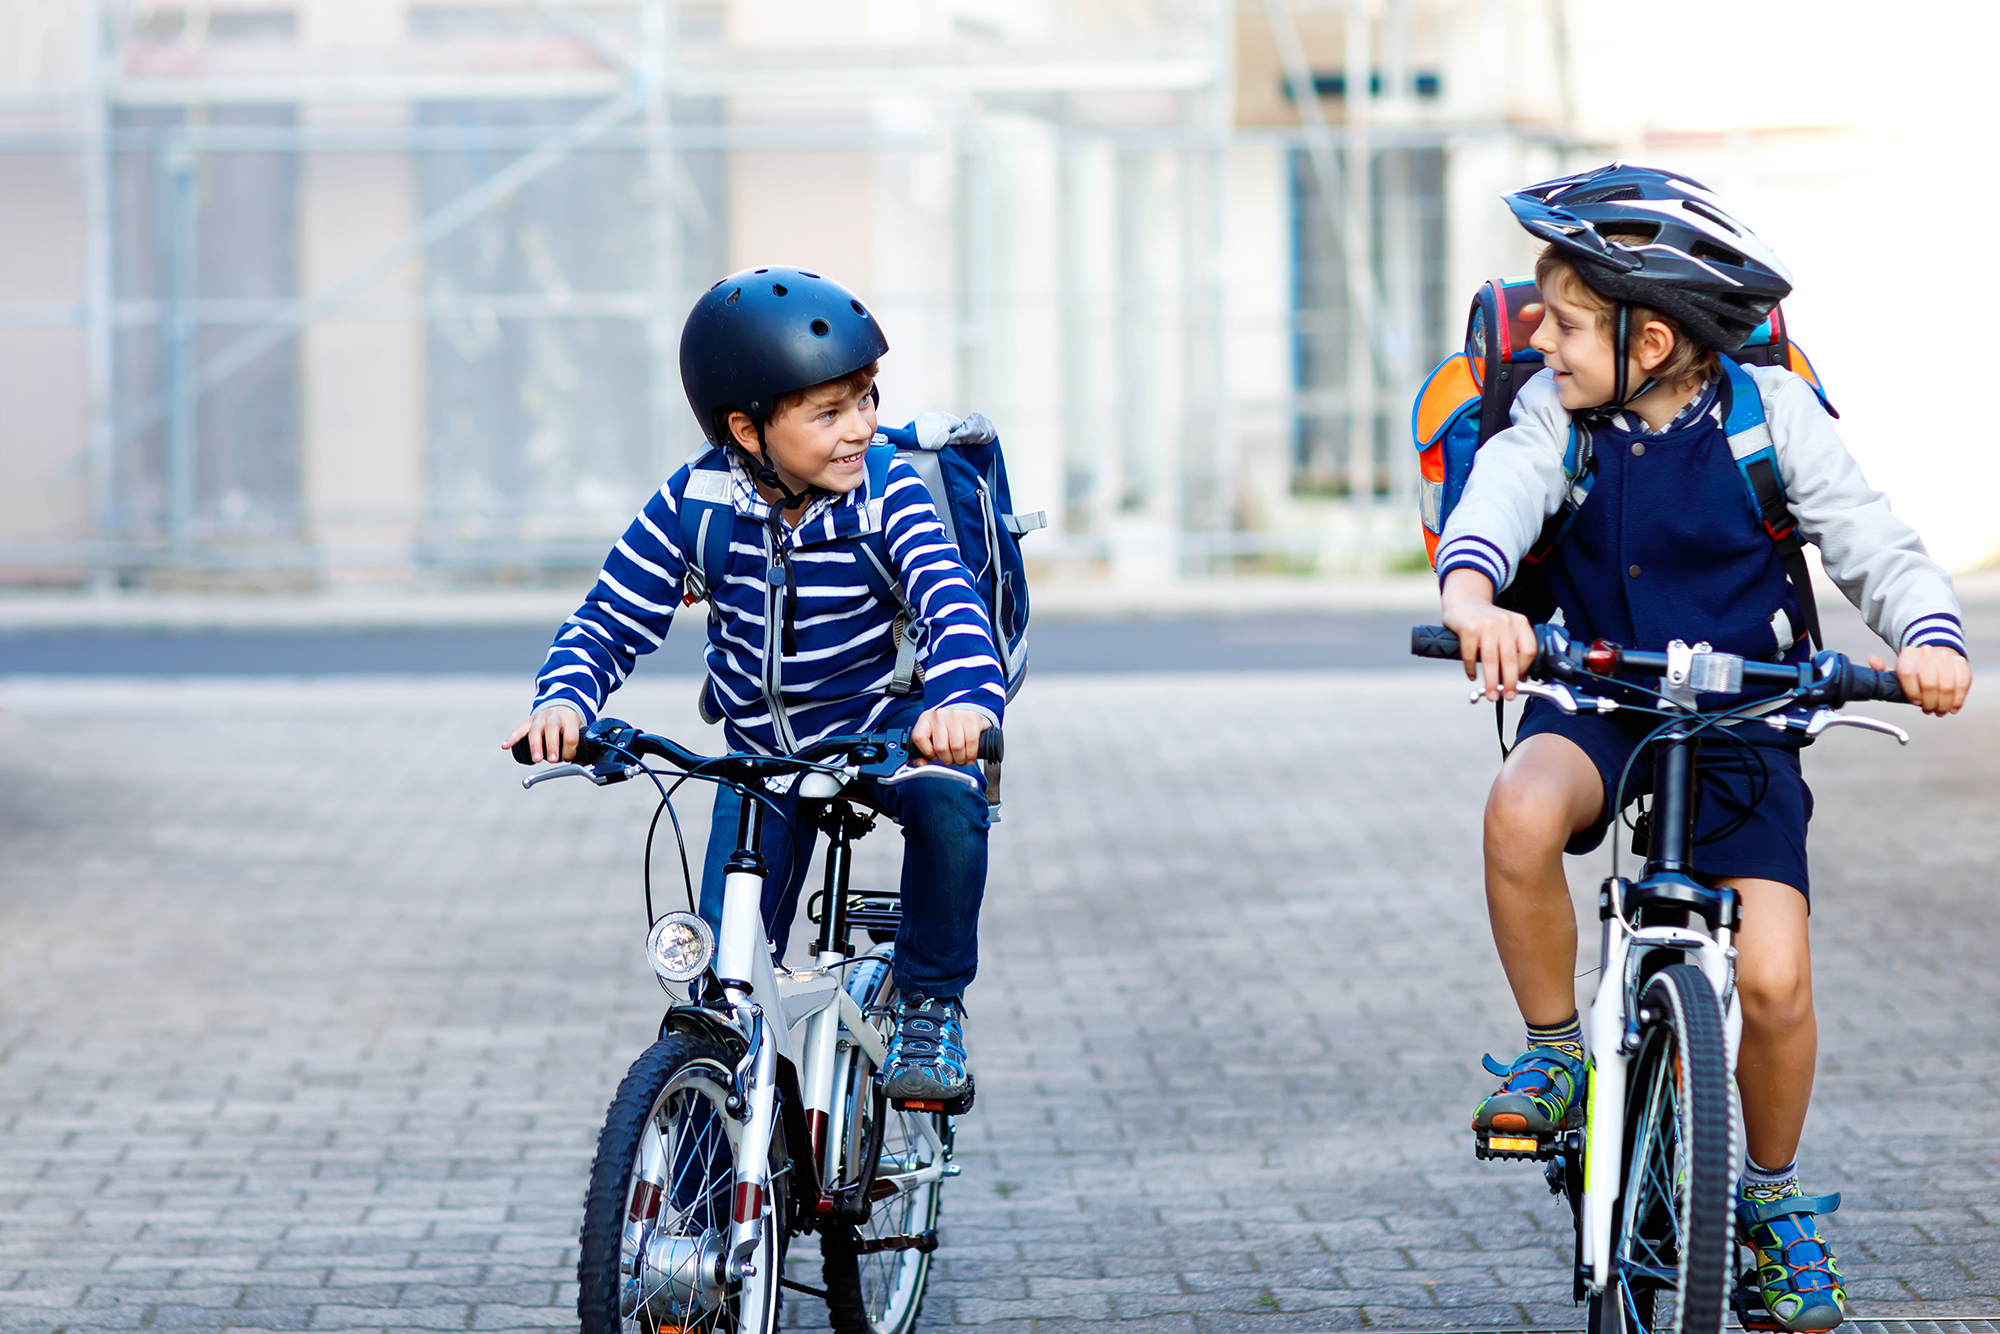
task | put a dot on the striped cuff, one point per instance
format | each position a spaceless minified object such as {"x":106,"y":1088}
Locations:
{"x":1474,"y":553}
{"x":1939,"y":627}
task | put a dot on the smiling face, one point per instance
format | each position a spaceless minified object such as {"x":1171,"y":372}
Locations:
{"x":820,"y":439}
{"x":1575,"y":342}
{"x":1577,"y":347}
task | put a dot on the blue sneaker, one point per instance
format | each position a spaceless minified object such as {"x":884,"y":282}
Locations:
{"x":1537,"y":1095}
{"x":927,"y":1054}
{"x":1796,"y":1278}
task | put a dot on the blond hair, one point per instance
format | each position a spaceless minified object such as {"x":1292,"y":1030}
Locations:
{"x":1686,"y":360}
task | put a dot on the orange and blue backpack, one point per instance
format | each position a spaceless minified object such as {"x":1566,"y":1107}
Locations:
{"x":1468,"y":399}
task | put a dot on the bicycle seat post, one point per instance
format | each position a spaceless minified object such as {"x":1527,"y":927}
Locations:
{"x":840,"y":825}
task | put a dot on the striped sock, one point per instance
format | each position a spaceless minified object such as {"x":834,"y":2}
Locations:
{"x":1565,"y":1037}
{"x":1761,"y":1183}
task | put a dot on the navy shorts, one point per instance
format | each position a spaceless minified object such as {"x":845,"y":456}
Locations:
{"x":1768,"y":838}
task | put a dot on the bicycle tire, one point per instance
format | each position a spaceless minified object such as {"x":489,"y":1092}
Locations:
{"x":657,"y":1210}
{"x":1671,"y":1233}
{"x":877,"y":1292}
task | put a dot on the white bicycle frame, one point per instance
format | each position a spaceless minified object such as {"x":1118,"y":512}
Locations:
{"x":1611,"y":1033}
{"x":820,"y":1030}
{"x":1609,"y":1051}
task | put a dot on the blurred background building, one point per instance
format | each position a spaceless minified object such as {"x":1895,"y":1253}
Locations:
{"x":338,"y":292}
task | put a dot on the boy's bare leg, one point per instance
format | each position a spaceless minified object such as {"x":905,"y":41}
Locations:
{"x":1547,"y":790}
{"x":1774,"y":1069}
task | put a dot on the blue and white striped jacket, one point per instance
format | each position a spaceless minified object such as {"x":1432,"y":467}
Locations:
{"x":835,"y":674}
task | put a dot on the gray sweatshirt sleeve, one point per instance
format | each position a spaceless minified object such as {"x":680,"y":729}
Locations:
{"x":1517,"y":482}
{"x":1875,"y":558}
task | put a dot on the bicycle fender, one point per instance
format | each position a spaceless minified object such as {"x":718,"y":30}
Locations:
{"x":804,"y":1187}
{"x":698,"y":1021}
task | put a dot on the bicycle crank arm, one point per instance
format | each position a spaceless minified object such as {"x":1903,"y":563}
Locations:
{"x":924,"y":1242}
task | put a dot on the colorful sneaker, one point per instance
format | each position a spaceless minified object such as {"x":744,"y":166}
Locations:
{"x":1795,"y":1275}
{"x":927,"y":1054}
{"x":1536,"y":1095}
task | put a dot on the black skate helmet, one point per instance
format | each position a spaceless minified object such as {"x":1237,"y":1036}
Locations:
{"x":1701,"y":265}
{"x":764,"y":333}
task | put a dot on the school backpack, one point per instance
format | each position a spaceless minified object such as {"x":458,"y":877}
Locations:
{"x":962,"y":467}
{"x":1468,"y":398}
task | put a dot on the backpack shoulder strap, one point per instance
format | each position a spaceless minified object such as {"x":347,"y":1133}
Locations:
{"x":1750,"y":444}
{"x":707,"y":510}
{"x":876,"y":570}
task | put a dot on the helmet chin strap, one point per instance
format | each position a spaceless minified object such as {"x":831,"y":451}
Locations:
{"x":1621,"y":353}
{"x":761,"y":469}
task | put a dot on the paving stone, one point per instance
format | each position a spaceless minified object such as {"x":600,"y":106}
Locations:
{"x":308,"y":1015}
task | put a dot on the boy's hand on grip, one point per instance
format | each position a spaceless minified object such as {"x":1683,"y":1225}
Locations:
{"x":1495,"y":644}
{"x":949,"y":736}
{"x":1933,"y":676}
{"x":552,"y":734}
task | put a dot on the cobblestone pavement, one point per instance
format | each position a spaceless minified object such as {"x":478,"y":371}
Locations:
{"x":308,"y":1013}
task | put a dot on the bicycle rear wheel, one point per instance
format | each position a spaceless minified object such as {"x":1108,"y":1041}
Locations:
{"x":876,"y":1271}
{"x":656,"y":1217}
{"x":1670,"y":1240}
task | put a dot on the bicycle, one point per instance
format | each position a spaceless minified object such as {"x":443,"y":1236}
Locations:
{"x":1655,"y":1236}
{"x":735,"y":1132}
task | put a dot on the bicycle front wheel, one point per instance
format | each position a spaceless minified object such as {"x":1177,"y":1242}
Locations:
{"x":656,"y":1219}
{"x":876,"y":1271}
{"x":1670,"y":1242}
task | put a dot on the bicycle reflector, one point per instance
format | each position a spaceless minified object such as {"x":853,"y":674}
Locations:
{"x":679,"y":947}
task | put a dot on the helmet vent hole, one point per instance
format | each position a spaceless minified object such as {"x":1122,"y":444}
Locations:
{"x":821,"y":328}
{"x":730,"y":300}
{"x":858,"y":309}
{"x":763,"y":270}
{"x":1716,"y":254}
{"x":777,"y":289}
{"x":1713,"y":217}
{"x":813,"y":276}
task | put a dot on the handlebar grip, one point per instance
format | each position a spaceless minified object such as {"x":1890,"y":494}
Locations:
{"x":992,"y":746}
{"x":521,"y":755}
{"x":1433,"y":641}
{"x":1867,"y":683}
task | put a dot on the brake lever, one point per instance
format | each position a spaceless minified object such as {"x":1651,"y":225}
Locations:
{"x":909,"y":771}
{"x":1824,"y":720}
{"x":1564,"y":698}
{"x":579,"y":771}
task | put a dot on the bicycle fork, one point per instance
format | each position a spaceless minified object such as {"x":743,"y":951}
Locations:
{"x":743,"y":967}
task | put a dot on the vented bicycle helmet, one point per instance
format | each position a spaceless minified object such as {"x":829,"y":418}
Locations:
{"x":764,"y":333}
{"x":1699,"y":264}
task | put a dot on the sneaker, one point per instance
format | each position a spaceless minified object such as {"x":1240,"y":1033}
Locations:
{"x":1536,"y":1095}
{"x":1796,"y":1274}
{"x":927,"y":1054}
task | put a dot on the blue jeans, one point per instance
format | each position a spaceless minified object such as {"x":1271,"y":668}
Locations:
{"x":944,"y":873}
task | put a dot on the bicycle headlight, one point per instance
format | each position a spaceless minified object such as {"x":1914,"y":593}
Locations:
{"x":679,"y":947}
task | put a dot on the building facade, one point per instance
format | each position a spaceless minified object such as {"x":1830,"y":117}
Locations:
{"x":342,"y":291}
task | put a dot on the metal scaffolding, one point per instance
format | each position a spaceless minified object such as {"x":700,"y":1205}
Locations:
{"x":1050,"y":220}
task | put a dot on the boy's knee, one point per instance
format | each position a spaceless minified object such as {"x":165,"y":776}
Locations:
{"x":1526,"y":813}
{"x":1777,"y":993}
{"x":944,"y":808}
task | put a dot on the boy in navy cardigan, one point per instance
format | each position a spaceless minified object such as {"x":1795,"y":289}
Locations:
{"x":1646,"y":278}
{"x":779,"y":366}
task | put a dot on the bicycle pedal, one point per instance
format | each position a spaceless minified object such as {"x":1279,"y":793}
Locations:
{"x":1747,"y":1302}
{"x":958,"y":1106}
{"x":1502,"y":1145}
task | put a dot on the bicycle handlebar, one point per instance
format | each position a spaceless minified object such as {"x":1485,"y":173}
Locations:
{"x":608,"y":736}
{"x":1830,"y":678}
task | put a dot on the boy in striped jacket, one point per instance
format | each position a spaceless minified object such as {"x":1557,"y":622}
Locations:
{"x":779,"y":366}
